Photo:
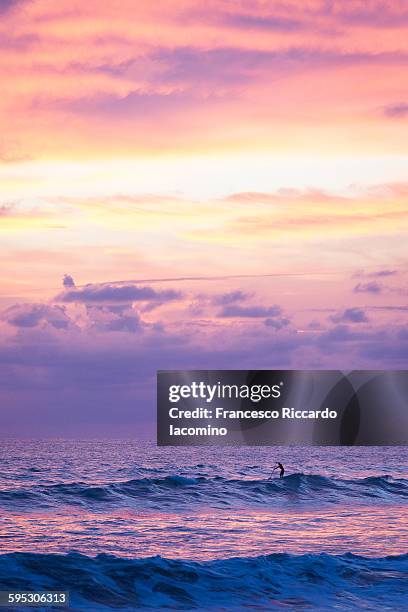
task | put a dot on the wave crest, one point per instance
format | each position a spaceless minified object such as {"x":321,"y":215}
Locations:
{"x":176,"y":490}
{"x":314,"y":580}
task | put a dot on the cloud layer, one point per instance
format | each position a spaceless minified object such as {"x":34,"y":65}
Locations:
{"x":250,"y":162}
{"x":95,"y":360}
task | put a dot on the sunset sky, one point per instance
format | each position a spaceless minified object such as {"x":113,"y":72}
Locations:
{"x":195,"y":185}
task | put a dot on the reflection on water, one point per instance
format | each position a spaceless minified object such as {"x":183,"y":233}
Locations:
{"x":156,"y":511}
{"x":48,"y":462}
{"x":133,"y":499}
{"x":377,"y":531}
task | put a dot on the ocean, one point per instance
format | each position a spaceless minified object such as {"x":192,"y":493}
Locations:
{"x":126,"y":525}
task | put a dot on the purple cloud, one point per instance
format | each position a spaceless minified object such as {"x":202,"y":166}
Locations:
{"x":269,"y":22}
{"x":383,"y":273}
{"x":68,"y":281}
{"x":316,"y":16}
{"x":235,"y":65}
{"x":390,"y":308}
{"x":376,"y":274}
{"x":396,"y":111}
{"x":124,"y":322}
{"x":377,"y":14}
{"x":30,"y":315}
{"x":392,"y":352}
{"x":109,"y":293}
{"x":71,"y":378}
{"x":343,"y":333}
{"x":117,"y":318}
{"x":234,"y":310}
{"x":7,"y":5}
{"x":351,"y":315}
{"x":134,"y":104}
{"x":194,"y":75}
{"x":204,"y":301}
{"x":277,"y":323}
{"x":372,"y":287}
{"x":85,"y":372}
{"x":340,"y":333}
{"x":229,"y":298}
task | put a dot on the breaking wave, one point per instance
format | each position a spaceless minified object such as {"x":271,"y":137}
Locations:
{"x":317,"y":581}
{"x":219,"y":492}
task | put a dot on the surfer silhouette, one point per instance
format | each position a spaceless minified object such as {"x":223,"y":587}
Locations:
{"x":282,"y":469}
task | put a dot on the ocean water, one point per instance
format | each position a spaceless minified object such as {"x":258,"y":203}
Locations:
{"x":128,"y":525}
